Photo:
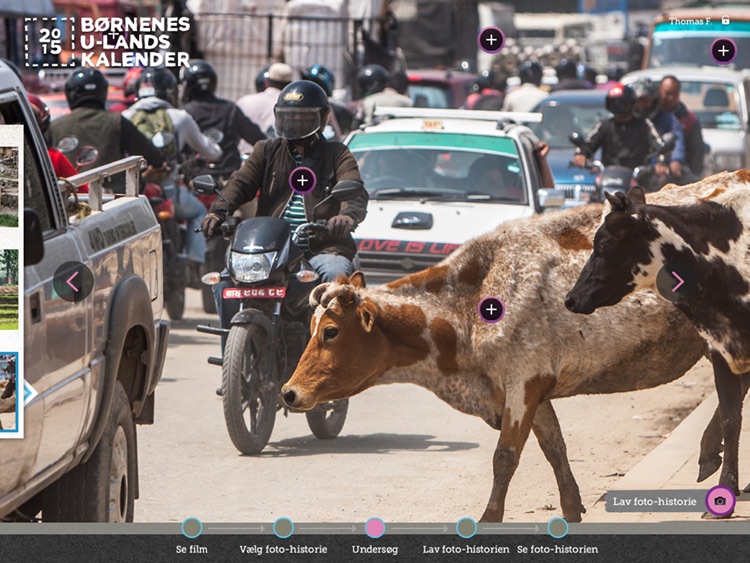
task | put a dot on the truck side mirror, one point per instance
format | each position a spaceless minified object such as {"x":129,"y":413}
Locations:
{"x":33,"y":241}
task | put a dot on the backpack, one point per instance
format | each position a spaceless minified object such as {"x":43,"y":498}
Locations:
{"x":158,"y":121}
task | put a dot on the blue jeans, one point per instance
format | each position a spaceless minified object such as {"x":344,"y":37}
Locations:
{"x":189,"y":208}
{"x":328,"y":266}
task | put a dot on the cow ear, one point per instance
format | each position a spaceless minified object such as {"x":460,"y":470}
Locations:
{"x":618,"y":201}
{"x":620,"y":224}
{"x":357,"y":279}
{"x":317,"y":293}
{"x":368,"y":312}
{"x":637,"y":196}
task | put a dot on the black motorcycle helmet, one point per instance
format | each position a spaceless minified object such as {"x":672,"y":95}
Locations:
{"x":566,"y":68}
{"x":372,"y":79}
{"x":301,"y":111}
{"x":322,"y":76}
{"x":484,"y":80}
{"x":199,"y":77}
{"x":531,"y":72}
{"x":620,"y":99}
{"x":260,"y":80}
{"x":86,"y":85}
{"x":158,"y":82}
{"x":647,"y":96}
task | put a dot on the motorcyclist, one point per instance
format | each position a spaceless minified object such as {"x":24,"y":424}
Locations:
{"x":156,"y":91}
{"x":199,"y":81}
{"x":259,"y":107}
{"x":647,"y":105}
{"x":567,"y":76}
{"x":488,"y":91}
{"x":301,"y":114}
{"x":374,"y":83}
{"x":529,"y":94}
{"x":341,"y":116}
{"x":625,"y":138}
{"x":110,"y":133}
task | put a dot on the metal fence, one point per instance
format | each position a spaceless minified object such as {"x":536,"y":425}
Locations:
{"x":240,"y":45}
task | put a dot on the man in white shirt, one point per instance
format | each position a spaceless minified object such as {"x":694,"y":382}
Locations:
{"x":259,"y":107}
{"x":374,"y":83}
{"x":529,"y":94}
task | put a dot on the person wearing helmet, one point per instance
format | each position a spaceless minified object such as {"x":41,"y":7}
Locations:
{"x":374,"y":84}
{"x":648,"y":106}
{"x":260,"y":79}
{"x":567,"y":77}
{"x":625,"y":139}
{"x":199,"y":81}
{"x":488,"y":91}
{"x":527,"y":96}
{"x":301,"y":111}
{"x":156,"y":92}
{"x":110,"y":133}
{"x":259,"y":107}
{"x":60,"y":163}
{"x":341,"y":116}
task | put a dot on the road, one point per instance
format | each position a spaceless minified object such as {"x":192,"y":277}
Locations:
{"x":404,"y":455}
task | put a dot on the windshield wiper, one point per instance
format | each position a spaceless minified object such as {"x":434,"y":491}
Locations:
{"x":414,"y":192}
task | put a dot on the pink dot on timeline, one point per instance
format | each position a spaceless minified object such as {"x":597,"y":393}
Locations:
{"x":375,"y":527}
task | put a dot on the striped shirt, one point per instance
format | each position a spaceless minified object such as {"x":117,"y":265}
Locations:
{"x":294,"y":213}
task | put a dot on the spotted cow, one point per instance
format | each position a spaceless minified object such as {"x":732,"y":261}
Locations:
{"x":425,"y":329}
{"x":707,"y":245}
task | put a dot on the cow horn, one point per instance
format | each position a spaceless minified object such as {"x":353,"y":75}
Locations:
{"x":345,"y":293}
{"x":317,"y":293}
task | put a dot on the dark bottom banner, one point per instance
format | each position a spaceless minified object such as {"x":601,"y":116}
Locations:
{"x":326,"y":548}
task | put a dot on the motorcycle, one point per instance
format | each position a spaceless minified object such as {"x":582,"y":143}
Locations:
{"x":269,"y":334}
{"x":615,"y":178}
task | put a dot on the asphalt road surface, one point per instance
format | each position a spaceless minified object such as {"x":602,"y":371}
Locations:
{"x":403,"y":455}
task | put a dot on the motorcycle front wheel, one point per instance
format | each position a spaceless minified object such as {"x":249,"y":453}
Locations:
{"x":327,"y":419}
{"x":249,"y":404}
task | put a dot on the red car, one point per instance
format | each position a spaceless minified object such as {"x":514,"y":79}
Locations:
{"x":439,"y":88}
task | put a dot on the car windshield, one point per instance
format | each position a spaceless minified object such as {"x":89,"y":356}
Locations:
{"x":560,"y":120}
{"x":440,"y":166}
{"x":717,"y":104}
{"x":683,"y":45}
{"x":430,"y":95}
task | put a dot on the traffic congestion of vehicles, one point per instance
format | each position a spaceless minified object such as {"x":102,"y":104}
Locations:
{"x":186,"y":194}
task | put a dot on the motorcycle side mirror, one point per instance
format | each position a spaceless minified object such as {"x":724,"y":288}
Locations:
{"x":668,"y":143}
{"x":86,"y":155}
{"x":161,"y":139}
{"x":204,"y":184}
{"x":214,"y":134}
{"x":346,"y":190}
{"x":68,"y":144}
{"x":576,"y":138}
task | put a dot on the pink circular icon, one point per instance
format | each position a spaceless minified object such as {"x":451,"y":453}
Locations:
{"x":302,"y":180}
{"x":720,"y":500}
{"x":375,"y":527}
{"x":491,"y":309}
{"x":491,"y":40}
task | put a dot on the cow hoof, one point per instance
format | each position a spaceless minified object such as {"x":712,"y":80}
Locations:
{"x":746,"y":489}
{"x":707,"y":466}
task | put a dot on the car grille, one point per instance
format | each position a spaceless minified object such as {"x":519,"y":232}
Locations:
{"x":576,"y":193}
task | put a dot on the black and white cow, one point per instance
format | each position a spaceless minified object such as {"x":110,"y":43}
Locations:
{"x":707,"y":245}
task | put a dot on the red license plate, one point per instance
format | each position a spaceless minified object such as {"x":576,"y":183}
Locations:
{"x":254,"y":293}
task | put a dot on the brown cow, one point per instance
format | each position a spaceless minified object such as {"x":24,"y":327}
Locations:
{"x":425,"y":329}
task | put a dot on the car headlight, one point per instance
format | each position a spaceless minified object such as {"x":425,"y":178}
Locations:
{"x":727,"y":161}
{"x":251,"y":267}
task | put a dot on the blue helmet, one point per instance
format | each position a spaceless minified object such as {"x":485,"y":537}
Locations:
{"x":322,"y":76}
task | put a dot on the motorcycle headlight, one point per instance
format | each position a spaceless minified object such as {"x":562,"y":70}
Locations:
{"x":251,"y":267}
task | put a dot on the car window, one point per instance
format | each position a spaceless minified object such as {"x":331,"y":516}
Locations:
{"x":35,"y":196}
{"x":717,"y":104}
{"x":559,"y":121}
{"x":677,"y":44}
{"x":440,"y":166}
{"x":425,"y":96}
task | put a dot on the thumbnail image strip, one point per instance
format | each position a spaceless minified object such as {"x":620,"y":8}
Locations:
{"x":9,"y":406}
{"x":8,"y":186}
{"x":9,"y":289}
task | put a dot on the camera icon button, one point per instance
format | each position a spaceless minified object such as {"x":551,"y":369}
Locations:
{"x":720,"y":501}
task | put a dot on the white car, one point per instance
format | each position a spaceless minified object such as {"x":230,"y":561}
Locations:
{"x":437,"y":178}
{"x":720,"y":98}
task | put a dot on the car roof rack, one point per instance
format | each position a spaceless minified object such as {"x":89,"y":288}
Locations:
{"x":502,"y":118}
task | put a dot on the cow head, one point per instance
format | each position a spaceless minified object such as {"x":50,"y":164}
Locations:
{"x":619,"y":263}
{"x":347,"y":350}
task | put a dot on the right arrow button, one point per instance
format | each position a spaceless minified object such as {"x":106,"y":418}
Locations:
{"x":680,"y":282}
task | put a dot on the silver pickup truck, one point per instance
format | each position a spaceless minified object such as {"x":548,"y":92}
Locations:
{"x":94,"y":361}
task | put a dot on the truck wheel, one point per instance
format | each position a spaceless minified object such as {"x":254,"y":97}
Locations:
{"x":327,"y":420}
{"x":249,"y":405}
{"x":175,"y":302}
{"x":103,"y":488}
